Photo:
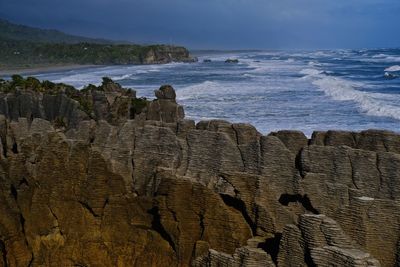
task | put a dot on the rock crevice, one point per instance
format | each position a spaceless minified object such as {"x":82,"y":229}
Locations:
{"x":82,"y":181}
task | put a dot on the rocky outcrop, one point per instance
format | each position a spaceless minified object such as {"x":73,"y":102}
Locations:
{"x":150,"y":188}
{"x":230,"y":60}
{"x":161,"y":54}
{"x":66,"y":106}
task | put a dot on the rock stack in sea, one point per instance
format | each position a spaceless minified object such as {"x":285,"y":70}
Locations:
{"x":99,"y":177}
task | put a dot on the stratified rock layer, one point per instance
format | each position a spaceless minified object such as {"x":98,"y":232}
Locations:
{"x":154,"y":189}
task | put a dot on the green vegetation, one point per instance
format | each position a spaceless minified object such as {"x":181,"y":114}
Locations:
{"x":17,"y":82}
{"x":137,"y":105}
{"x":25,"y":47}
{"x":126,"y":100}
{"x":60,"y":122}
{"x":25,"y":54}
{"x":106,"y":81}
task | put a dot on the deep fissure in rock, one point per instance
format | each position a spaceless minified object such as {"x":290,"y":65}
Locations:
{"x":202,"y":227}
{"x":3,"y":252}
{"x":87,"y":207}
{"x":308,"y":259}
{"x":31,"y":261}
{"x":105,"y":203}
{"x":271,"y":246}
{"x":14,"y":192}
{"x":14,"y":148}
{"x":22,"y":221}
{"x":239,"y":205}
{"x":285,"y":199}
{"x":23,"y":182}
{"x":157,"y":226}
{"x":4,"y":144}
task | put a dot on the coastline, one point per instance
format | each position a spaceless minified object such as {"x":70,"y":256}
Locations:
{"x":41,"y":69}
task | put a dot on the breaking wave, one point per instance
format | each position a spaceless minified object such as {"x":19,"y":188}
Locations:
{"x":393,"y":68}
{"x":375,"y":104}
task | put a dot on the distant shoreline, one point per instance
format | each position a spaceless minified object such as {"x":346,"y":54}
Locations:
{"x":40,"y":69}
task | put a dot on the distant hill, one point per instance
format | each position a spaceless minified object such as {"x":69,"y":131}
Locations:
{"x":26,"y":47}
{"x":18,"y":32}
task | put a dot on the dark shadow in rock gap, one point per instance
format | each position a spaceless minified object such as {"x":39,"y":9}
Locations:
{"x":285,"y":199}
{"x":271,"y":246}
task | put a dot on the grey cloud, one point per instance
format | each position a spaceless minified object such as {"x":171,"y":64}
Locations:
{"x":220,"y":23}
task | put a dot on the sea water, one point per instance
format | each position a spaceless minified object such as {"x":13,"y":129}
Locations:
{"x":273,"y":90}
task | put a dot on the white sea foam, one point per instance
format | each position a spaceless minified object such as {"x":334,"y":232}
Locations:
{"x":392,"y":59}
{"x":195,"y":91}
{"x":249,"y":75}
{"x":374,"y":104}
{"x":269,"y":67}
{"x":321,"y":53}
{"x":381,"y":58}
{"x":80,"y":80}
{"x":117,"y":73}
{"x":393,"y":68}
{"x":121,"y":77}
{"x":311,"y":72}
{"x":219,"y":91}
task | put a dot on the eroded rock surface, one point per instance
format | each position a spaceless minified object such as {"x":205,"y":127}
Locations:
{"x":145,"y":187}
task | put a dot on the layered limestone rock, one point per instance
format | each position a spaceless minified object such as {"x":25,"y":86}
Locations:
{"x":145,"y":187}
{"x":319,"y":240}
{"x":66,"y":106}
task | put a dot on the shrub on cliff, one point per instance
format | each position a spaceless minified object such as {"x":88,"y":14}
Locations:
{"x":86,"y":105}
{"x":60,"y":122}
{"x":127,"y":105}
{"x":106,"y":80}
{"x":17,"y":80}
{"x":137,"y":106}
{"x":89,"y":88}
{"x":33,"y":83}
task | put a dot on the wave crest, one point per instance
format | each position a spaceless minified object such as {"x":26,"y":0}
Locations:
{"x":375,"y":104}
{"x":311,"y":72}
{"x":393,"y":68}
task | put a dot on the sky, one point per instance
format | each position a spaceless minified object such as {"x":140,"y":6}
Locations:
{"x":220,"y":24}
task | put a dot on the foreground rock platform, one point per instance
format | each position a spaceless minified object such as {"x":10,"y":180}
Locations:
{"x":130,"y":182}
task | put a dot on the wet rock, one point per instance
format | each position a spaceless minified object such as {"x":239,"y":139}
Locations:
{"x":230,"y":60}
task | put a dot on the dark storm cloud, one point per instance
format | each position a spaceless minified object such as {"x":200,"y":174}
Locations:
{"x":220,"y":23}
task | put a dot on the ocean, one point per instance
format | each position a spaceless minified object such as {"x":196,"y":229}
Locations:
{"x":273,"y":90}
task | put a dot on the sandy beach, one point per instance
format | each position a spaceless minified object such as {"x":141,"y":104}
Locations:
{"x":41,"y":69}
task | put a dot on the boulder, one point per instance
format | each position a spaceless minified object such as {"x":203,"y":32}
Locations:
{"x":230,"y":60}
{"x":165,"y":92}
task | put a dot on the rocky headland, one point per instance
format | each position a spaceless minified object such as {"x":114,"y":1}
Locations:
{"x":100,"y":177}
{"x":27,"y":48}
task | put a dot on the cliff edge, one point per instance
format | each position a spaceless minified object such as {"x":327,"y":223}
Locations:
{"x":99,"y":177}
